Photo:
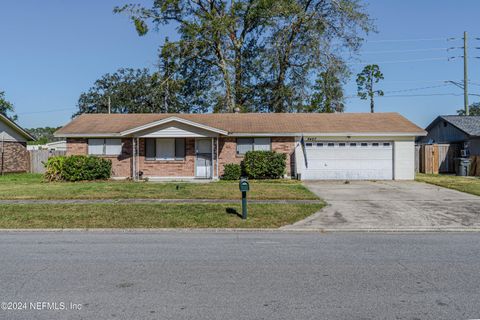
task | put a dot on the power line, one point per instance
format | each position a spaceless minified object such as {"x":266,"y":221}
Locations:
{"x":402,"y":61}
{"x":408,"y":40}
{"x":411,"y":95}
{"x":416,"y":89}
{"x":413,"y":81}
{"x":406,"y":51}
{"x":45,"y":111}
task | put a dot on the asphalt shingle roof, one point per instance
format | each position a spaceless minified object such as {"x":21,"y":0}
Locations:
{"x":469,"y":124}
{"x":252,"y":123}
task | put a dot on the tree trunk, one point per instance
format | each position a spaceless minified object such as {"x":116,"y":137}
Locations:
{"x":372,"y":93}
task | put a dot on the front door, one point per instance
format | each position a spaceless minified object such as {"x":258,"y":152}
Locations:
{"x":203,"y":150}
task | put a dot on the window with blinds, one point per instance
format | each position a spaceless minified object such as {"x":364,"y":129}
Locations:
{"x":165,"y":149}
{"x":105,"y":147}
{"x":253,"y":144}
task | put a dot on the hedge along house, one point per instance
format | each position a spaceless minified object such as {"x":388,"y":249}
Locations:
{"x":13,"y":147}
{"x":185,"y":146}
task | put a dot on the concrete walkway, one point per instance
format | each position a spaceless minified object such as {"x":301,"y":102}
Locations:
{"x":391,"y":206}
{"x":139,"y":201}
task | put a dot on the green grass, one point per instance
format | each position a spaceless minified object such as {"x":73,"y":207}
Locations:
{"x":464,"y":184}
{"x":152,"y":215}
{"x":31,"y":186}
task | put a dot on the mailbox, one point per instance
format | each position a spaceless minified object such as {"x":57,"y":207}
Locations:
{"x":244,"y":185}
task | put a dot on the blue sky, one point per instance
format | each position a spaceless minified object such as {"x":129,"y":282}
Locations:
{"x":53,"y":50}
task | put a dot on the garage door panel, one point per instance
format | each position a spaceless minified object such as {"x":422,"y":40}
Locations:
{"x":374,"y":161}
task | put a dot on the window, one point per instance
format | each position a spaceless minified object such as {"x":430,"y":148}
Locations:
{"x":331,"y":144}
{"x":364,"y":144}
{"x":319,"y":144}
{"x":341,"y":144}
{"x":250,"y":144}
{"x":165,"y":149}
{"x":309,"y":144}
{"x":105,"y":147}
{"x":375,"y":144}
{"x":113,"y":146}
{"x":353,"y":144}
{"x":386,"y":144}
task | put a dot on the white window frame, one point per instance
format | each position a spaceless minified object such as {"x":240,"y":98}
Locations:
{"x":104,"y":143}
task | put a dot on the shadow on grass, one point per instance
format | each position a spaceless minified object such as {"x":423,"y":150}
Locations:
{"x":233,"y":211}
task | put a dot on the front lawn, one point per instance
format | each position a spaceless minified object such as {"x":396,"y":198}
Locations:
{"x":464,"y":184}
{"x":152,"y":215}
{"x":31,"y":186}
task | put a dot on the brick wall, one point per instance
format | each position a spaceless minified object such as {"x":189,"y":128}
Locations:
{"x":170,"y":168}
{"x":122,"y":165}
{"x":77,"y":146}
{"x":15,"y":157}
{"x":285,"y":145}
{"x":228,"y":151}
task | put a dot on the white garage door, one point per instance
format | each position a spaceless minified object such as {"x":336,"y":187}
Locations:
{"x":349,"y":160}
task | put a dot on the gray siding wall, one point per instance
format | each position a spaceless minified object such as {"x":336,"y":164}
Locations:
{"x":9,"y":134}
{"x":444,"y":134}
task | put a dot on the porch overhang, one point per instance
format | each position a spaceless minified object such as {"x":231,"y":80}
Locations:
{"x":135,"y":131}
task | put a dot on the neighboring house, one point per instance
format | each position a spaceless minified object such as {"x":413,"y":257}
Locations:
{"x":53,"y":146}
{"x":461,"y":130}
{"x":13,"y":146}
{"x":178,"y":146}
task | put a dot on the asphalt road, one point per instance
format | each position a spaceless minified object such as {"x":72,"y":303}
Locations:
{"x":241,"y":275}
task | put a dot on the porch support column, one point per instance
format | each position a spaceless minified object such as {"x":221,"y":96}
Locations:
{"x":217,"y":156}
{"x":137,"y":161}
{"x":212,"y":175}
{"x":134,"y":159}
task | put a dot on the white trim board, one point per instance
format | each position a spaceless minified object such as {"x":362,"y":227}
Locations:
{"x":171,"y":119}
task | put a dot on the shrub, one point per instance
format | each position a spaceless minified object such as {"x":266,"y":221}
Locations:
{"x":264,"y":164}
{"x":54,"y":168}
{"x":231,"y":171}
{"x":77,"y":168}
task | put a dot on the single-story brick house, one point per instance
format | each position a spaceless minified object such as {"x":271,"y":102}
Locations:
{"x":13,"y":146}
{"x":186,"y":146}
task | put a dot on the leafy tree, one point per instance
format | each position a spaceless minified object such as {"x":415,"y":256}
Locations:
{"x":43,"y":135}
{"x":474,"y":110}
{"x":6,"y":107}
{"x":305,"y":36}
{"x":132,"y":91}
{"x":366,"y":79}
{"x":328,"y":96}
{"x":254,"y":54}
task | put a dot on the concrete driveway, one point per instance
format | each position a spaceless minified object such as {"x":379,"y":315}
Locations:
{"x":391,"y":205}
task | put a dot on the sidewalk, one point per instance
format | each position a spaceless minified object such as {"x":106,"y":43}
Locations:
{"x":133,"y":201}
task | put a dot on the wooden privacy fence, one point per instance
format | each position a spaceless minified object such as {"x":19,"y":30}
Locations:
{"x":475,"y":166}
{"x":39,"y":157}
{"x":436,"y":158}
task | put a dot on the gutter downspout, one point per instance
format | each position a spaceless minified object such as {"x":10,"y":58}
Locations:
{"x":217,"y":156}
{"x":3,"y":151}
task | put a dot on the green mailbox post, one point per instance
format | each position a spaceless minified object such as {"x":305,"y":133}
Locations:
{"x":244,"y":187}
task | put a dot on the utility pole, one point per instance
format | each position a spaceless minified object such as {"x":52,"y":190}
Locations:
{"x":465,"y":73}
{"x":109,"y":105}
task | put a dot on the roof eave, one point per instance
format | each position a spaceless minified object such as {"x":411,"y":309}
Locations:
{"x":85,"y":135}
